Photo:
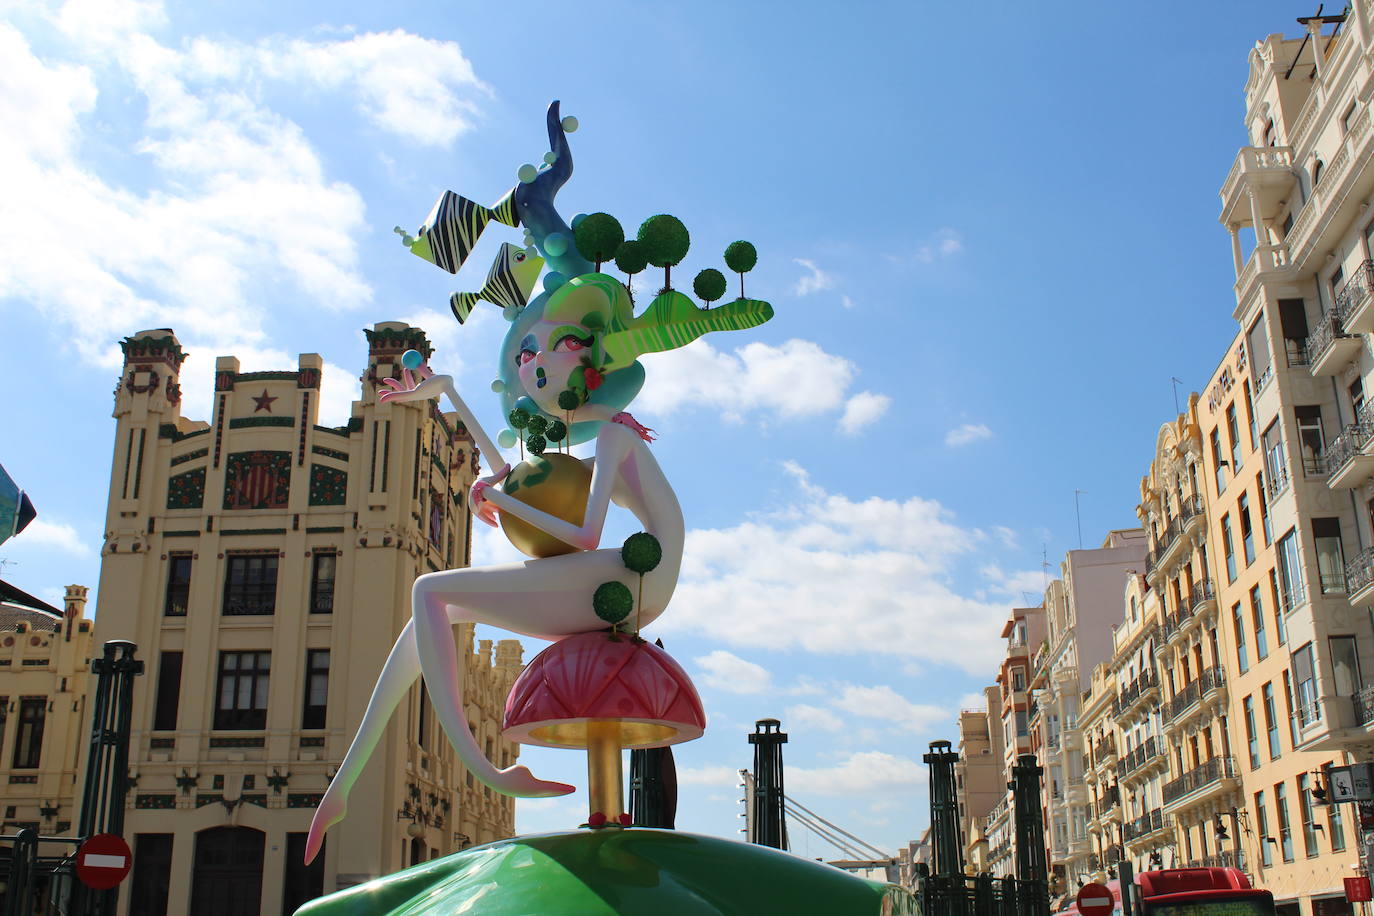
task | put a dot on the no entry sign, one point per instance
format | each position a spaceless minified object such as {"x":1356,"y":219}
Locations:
{"x":103,"y":861}
{"x":1095,"y":900}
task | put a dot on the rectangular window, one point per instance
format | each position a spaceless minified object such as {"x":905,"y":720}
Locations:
{"x":1305,"y":683}
{"x":1311,"y":441}
{"x":1251,"y":738}
{"x":1326,"y":534}
{"x":178,"y":585}
{"x":1356,"y":391}
{"x":1345,"y":666}
{"x":28,"y":740}
{"x":316,"y":688}
{"x":1247,"y":533}
{"x":1257,"y":343}
{"x":152,"y":876}
{"x":250,"y":585}
{"x":1285,"y":828}
{"x":1262,"y":825}
{"x":241,"y":702}
{"x":1228,"y":545}
{"x":1274,"y":464}
{"x":168,"y":691}
{"x":1271,"y":722}
{"x":1309,"y":815}
{"x":1280,"y":627}
{"x":1250,"y":416}
{"x":1233,"y":436}
{"x":422,"y":718}
{"x":301,"y":883}
{"x":1217,"y":461}
{"x":1257,"y":617}
{"x":1290,"y":572}
{"x":322,"y":573}
{"x":1242,"y":654}
{"x":1264,"y":510}
{"x":1023,"y":727}
{"x":1293,"y":322}
{"x":1293,"y":735}
{"x":1018,"y":679}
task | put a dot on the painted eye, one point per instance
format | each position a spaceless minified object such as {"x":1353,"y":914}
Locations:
{"x":569,"y":342}
{"x":520,"y":258}
{"x":523,"y":357}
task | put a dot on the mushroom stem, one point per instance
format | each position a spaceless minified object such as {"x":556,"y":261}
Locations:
{"x":605,"y":777}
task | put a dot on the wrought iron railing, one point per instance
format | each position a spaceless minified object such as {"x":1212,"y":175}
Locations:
{"x":1359,"y":572}
{"x":1364,"y":705}
{"x":1201,"y":591}
{"x":1356,"y":289}
{"x":1214,"y":770}
{"x":1135,"y":759}
{"x":1278,"y":480}
{"x":1148,"y":822}
{"x":1328,"y":330}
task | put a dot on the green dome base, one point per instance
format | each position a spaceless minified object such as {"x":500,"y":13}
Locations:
{"x":618,"y":873}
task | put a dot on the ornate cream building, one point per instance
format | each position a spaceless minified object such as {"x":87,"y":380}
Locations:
{"x":45,"y":657}
{"x":263,"y":564}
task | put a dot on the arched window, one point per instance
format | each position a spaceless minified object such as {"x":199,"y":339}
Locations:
{"x":1317,"y":168}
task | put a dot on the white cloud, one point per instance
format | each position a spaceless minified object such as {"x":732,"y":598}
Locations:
{"x":727,"y":671}
{"x":236,"y":211}
{"x":829,"y":574}
{"x":864,"y":771}
{"x":847,"y":302}
{"x":1006,"y":536}
{"x":862,"y":409}
{"x":708,"y":775}
{"x":966,"y":434}
{"x":807,"y":716}
{"x":973,"y":701}
{"x":793,"y":380}
{"x":814,"y":281}
{"x":943,"y":244}
{"x":57,"y":535}
{"x":882,"y":702}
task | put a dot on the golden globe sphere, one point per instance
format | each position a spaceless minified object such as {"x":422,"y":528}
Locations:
{"x":554,"y":483}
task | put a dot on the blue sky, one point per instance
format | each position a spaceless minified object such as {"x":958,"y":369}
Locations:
{"x":990,"y":235}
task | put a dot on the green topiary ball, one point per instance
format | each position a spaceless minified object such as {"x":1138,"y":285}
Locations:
{"x":630,"y":257}
{"x":612,"y":602}
{"x":665,"y":240}
{"x":641,"y":552}
{"x":536,"y":443}
{"x":598,"y":236}
{"x":741,"y":257}
{"x":518,"y":419}
{"x":556,"y":430}
{"x":709,"y":285}
{"x":537,"y":424}
{"x":569,"y":399}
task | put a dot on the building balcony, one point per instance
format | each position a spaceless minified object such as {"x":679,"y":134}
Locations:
{"x":1349,"y":462}
{"x":1136,"y":692}
{"x":1359,"y":577}
{"x":1201,"y":782}
{"x":1363,"y":706}
{"x":1330,"y":346}
{"x":1134,"y":760}
{"x":1225,"y":859}
{"x":1164,"y":551}
{"x":1266,"y":172}
{"x":1212,"y":681}
{"x":1355,"y":300}
{"x":1202,"y":597}
{"x":1265,"y":261}
{"x":1144,"y":827}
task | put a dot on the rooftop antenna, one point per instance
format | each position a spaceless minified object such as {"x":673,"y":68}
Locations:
{"x":1078,"y":517}
{"x":1176,"y":381}
{"x":1044,"y":567}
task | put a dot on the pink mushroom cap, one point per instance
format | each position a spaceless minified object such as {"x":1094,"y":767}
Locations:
{"x":592,"y":677}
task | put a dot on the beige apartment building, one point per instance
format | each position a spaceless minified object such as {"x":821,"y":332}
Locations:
{"x":1024,"y":632}
{"x":1100,"y":755}
{"x":1290,"y":448}
{"x":1080,"y":609}
{"x":262,"y":563}
{"x":979,"y":779}
{"x":45,"y":657}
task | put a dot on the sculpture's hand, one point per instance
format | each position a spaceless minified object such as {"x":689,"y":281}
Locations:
{"x":477,"y":499}
{"x":429,"y":386}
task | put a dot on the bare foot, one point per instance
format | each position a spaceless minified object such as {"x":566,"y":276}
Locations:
{"x":332,"y":809}
{"x":521,"y":783}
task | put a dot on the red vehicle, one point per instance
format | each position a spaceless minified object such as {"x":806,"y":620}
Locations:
{"x":1191,"y":892}
{"x":1201,"y":892}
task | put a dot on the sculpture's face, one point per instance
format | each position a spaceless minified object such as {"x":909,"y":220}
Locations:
{"x":547,"y":358}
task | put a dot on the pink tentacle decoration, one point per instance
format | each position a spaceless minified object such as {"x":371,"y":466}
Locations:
{"x":644,"y":432}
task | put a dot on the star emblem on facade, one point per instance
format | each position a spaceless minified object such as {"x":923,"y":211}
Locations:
{"x":263,"y":402}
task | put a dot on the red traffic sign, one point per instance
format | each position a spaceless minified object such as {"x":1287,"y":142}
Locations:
{"x":1095,"y":900}
{"x":103,"y":861}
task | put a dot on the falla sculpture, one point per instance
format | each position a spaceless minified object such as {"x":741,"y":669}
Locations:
{"x":569,"y":370}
